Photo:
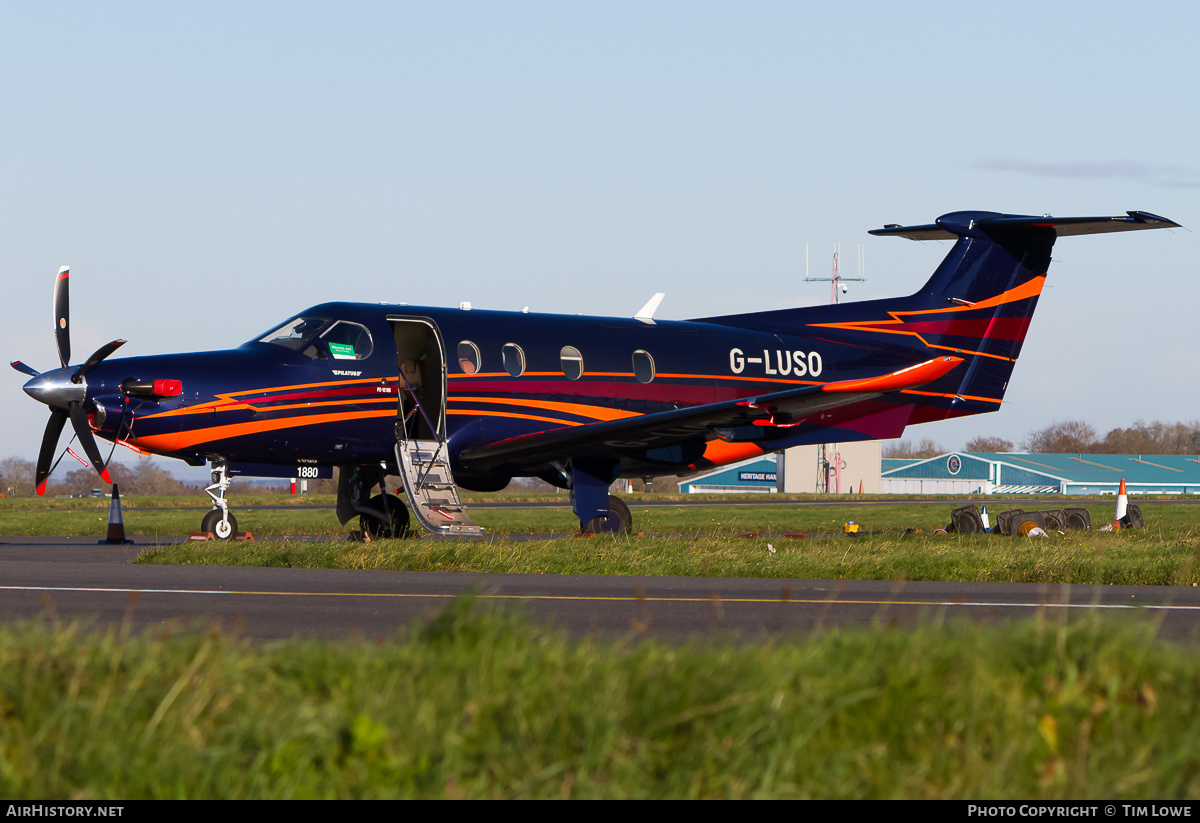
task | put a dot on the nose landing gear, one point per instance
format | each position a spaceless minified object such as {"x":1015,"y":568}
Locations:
{"x":219,"y":521}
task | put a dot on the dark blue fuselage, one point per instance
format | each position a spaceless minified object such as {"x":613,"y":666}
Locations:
{"x":264,"y":403}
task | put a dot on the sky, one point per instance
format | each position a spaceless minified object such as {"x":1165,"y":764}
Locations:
{"x":208,"y":170}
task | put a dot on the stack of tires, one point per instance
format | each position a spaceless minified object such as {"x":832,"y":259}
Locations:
{"x":1011,"y":523}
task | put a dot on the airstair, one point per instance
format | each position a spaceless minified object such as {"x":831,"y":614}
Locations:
{"x":425,"y":469}
{"x":424,"y":464}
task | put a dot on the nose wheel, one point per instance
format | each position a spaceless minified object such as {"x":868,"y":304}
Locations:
{"x":219,"y":522}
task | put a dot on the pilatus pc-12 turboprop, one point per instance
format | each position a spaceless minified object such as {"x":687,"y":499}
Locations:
{"x":445,"y":397}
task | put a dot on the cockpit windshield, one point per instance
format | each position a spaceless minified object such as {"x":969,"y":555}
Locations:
{"x":296,"y":333}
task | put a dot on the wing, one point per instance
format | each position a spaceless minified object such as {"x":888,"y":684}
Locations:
{"x":616,"y":437}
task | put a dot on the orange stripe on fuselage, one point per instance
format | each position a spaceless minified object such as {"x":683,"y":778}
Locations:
{"x":186,"y":439}
{"x":581,"y":409}
{"x":951,"y":396}
{"x":228,"y":401}
{"x":1028,"y":289}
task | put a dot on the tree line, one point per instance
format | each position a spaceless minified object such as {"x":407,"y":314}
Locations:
{"x":1074,"y":437}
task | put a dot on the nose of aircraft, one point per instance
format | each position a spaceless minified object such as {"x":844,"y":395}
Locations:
{"x":56,"y":389}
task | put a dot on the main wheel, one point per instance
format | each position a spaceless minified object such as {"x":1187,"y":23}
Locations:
{"x":617,"y":521}
{"x":397,"y":523}
{"x":221,"y":529}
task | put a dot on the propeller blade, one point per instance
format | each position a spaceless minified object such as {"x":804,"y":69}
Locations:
{"x":24,"y":369}
{"x":98,"y":355}
{"x":62,"y":315}
{"x":83,"y":431}
{"x":58,"y":418}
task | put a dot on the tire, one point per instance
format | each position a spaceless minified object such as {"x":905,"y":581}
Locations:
{"x":1004,"y":521}
{"x":1078,"y":518}
{"x":617,"y":521}
{"x":1054,"y":519}
{"x":213,"y":523}
{"x":967,"y":520}
{"x":1133,"y":517}
{"x":378,"y":529}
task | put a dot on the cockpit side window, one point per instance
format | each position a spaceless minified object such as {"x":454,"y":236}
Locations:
{"x":348,"y":341}
{"x":296,"y":333}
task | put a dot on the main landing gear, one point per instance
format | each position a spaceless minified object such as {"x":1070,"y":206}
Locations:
{"x":617,"y":520}
{"x":598,"y":511}
{"x":381,"y":515}
{"x":219,"y":522}
{"x":394,"y":523}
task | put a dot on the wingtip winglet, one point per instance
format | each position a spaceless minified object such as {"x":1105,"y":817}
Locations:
{"x":906,"y":378}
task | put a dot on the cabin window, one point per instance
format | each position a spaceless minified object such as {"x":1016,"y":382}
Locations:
{"x":643,"y":366}
{"x":572,"y":362}
{"x":468,"y":357}
{"x":348,"y":341}
{"x":514,"y":359}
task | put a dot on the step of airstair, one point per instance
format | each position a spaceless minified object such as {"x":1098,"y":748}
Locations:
{"x":425,"y":470}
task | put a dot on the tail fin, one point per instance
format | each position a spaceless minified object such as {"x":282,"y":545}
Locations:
{"x":977,"y":305}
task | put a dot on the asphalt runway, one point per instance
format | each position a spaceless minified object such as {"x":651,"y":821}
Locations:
{"x":74,"y":578}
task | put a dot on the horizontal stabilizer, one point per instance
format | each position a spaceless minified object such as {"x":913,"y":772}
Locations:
{"x":965,"y":223}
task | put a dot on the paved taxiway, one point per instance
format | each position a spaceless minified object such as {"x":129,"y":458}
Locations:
{"x":73,"y":578}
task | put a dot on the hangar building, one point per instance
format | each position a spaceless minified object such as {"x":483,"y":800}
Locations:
{"x":794,"y":471}
{"x":1081,"y":474}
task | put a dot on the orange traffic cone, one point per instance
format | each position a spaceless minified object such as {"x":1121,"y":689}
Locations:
{"x":860,"y":487}
{"x":116,"y":527}
{"x":1122,"y":507}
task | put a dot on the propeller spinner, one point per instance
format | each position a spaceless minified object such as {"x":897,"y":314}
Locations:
{"x":64,"y":390}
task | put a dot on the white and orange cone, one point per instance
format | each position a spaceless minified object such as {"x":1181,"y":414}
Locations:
{"x":1122,"y":506}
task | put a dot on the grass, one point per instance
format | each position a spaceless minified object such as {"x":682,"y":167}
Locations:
{"x":684,"y":540}
{"x":1149,"y":557}
{"x":484,"y":705}
{"x":165,"y":516}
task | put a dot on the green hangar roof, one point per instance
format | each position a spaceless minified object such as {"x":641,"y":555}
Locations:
{"x":1006,"y":473}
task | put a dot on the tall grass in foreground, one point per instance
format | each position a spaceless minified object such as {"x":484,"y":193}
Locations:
{"x":489,"y":706}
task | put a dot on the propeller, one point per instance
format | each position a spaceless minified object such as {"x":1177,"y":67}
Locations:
{"x":65,"y":390}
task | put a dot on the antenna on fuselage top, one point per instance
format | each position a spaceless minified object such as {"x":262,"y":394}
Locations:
{"x":646,"y":313}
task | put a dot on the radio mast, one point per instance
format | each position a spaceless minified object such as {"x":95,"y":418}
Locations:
{"x":829,"y":461}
